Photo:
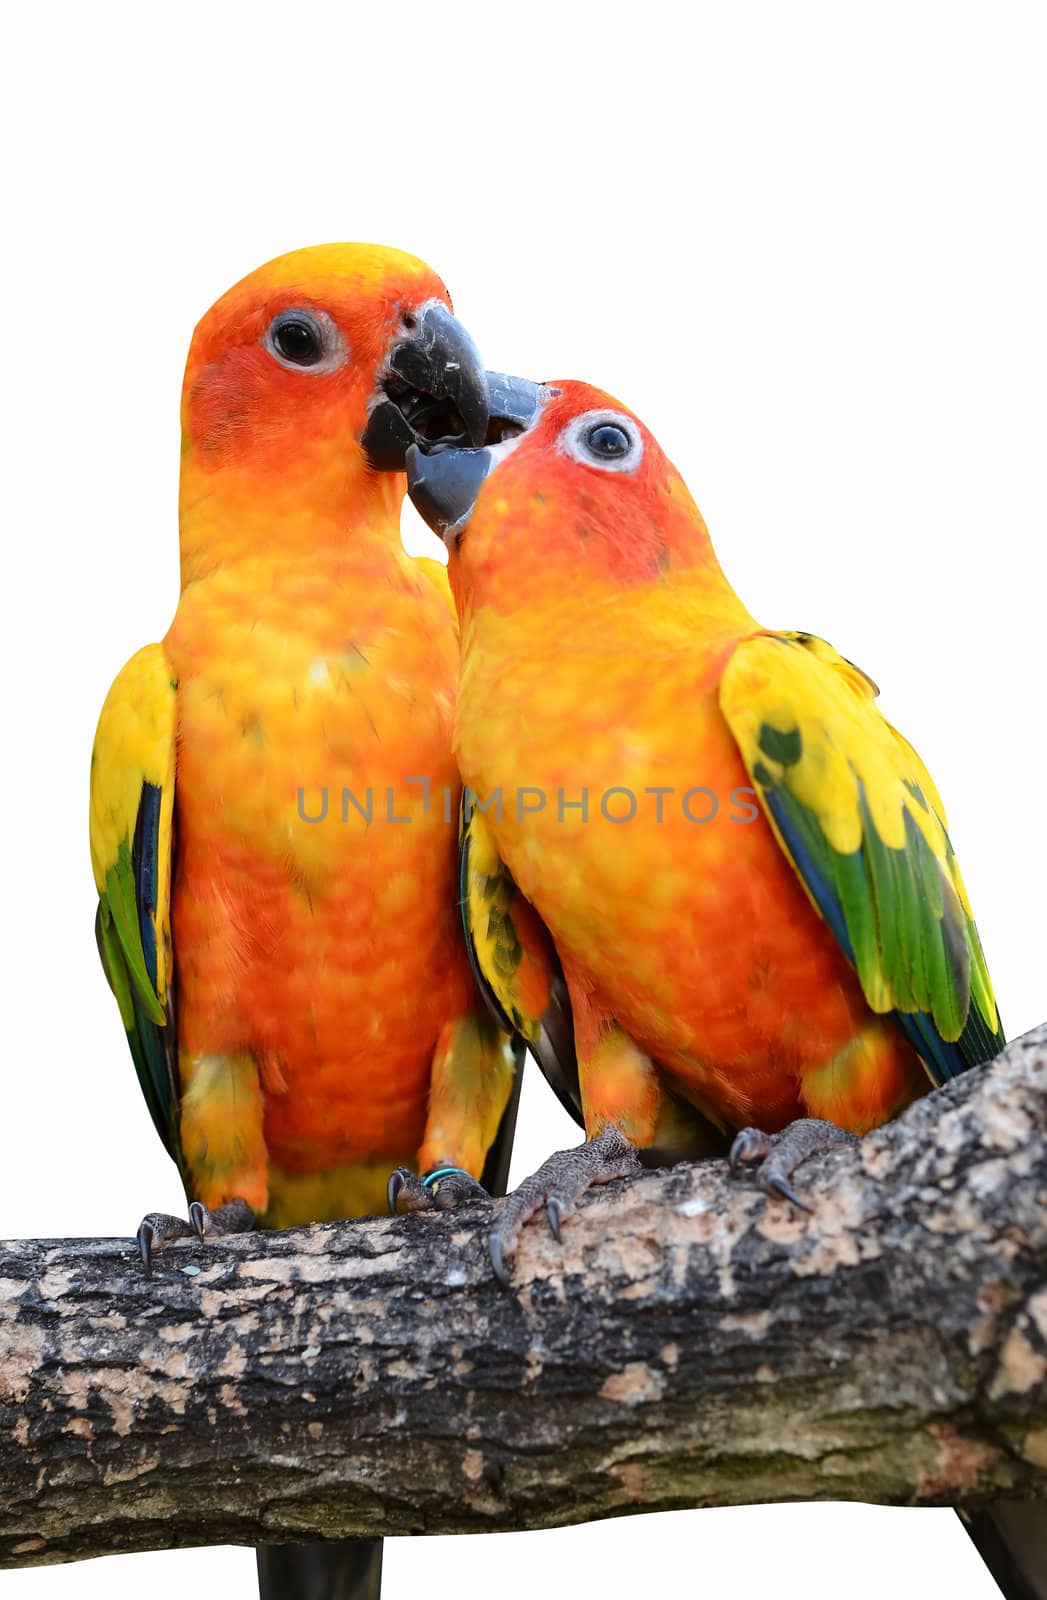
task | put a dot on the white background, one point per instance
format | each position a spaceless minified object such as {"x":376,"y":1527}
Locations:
{"x":804,"y":242}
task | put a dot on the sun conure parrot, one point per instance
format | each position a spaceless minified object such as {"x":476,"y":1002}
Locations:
{"x":703,"y":829}
{"x":272,"y":787}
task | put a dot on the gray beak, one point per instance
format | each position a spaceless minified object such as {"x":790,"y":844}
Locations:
{"x":443,"y":487}
{"x":444,"y":481}
{"x":515,"y":402}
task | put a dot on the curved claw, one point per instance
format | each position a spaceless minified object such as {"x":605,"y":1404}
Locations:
{"x":497,"y":1255}
{"x":750,"y":1145}
{"x":554,"y":1212}
{"x":146,"y":1237}
{"x":778,"y":1185}
{"x":396,"y":1182}
{"x":200,"y":1218}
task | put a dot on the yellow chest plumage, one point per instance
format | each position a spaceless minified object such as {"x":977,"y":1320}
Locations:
{"x":313,"y":929}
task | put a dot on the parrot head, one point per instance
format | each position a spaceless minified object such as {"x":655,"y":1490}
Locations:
{"x":582,"y":496}
{"x":309,"y":380}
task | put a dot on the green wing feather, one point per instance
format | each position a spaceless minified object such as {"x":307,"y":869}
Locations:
{"x":862,"y":823}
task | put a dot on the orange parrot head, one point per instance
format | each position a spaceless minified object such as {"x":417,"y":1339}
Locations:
{"x":582,"y":498}
{"x":307,"y":382}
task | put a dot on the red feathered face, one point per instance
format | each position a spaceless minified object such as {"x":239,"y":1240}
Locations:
{"x":290,"y":367}
{"x":585,"y":493}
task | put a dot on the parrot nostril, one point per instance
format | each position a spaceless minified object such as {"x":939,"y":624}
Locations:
{"x":409,"y":320}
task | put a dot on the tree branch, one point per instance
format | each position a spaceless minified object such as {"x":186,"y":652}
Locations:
{"x":690,"y":1344}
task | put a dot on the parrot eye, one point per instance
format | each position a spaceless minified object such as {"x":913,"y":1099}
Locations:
{"x":305,"y":340}
{"x":607,"y":441}
{"x":298,"y":341}
{"x":604,"y":439}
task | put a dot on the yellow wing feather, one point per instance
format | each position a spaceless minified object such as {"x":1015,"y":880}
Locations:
{"x":134,"y":747}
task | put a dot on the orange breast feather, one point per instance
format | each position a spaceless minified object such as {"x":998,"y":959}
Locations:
{"x":328,"y":948}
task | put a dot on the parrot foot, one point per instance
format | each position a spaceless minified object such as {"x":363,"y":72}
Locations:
{"x":158,"y":1227}
{"x":236,"y":1216}
{"x":558,"y":1185}
{"x":154,"y":1231}
{"x":779,"y":1154}
{"x":440,"y":1189}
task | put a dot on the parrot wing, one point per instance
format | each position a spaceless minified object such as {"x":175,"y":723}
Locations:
{"x":132,"y":805}
{"x":863,"y":825}
{"x":513,"y":958}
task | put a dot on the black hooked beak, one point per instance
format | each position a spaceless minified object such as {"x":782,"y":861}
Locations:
{"x":444,"y":482}
{"x":432,"y":390}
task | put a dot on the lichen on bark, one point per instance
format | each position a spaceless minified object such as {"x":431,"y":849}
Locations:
{"x":689,"y":1344}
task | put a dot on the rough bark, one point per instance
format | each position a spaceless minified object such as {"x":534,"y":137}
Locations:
{"x":690,"y":1344}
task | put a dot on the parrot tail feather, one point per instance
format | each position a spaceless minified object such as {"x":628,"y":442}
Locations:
{"x":344,"y":1569}
{"x":1011,"y":1538}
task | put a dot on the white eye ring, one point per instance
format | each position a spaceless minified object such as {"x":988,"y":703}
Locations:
{"x":581,"y":441}
{"x":325,"y":353}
